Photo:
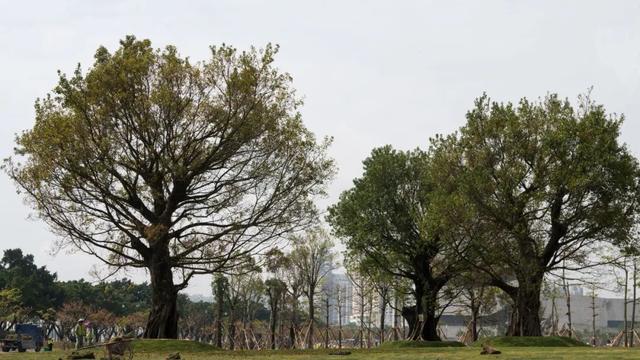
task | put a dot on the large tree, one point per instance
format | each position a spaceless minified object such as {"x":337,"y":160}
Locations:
{"x":547,"y":184}
{"x":390,"y":220}
{"x":150,"y":161}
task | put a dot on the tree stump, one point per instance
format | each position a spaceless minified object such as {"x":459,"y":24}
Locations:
{"x":488,"y":350}
{"x":81,"y":355}
{"x":340,"y":352}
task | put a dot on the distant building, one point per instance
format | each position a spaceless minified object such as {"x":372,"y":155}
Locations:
{"x":609,"y":312}
{"x":338,"y":285}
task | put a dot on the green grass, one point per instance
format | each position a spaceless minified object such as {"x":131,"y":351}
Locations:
{"x":419,"y":344}
{"x":170,"y":346}
{"x":159,"y":349}
{"x":534,"y":341}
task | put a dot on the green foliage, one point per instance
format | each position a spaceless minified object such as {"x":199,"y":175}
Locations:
{"x":11,"y":305}
{"x":383,"y":217}
{"x":36,"y":285}
{"x":522,"y":341}
{"x":149,"y":161}
{"x":313,"y":258}
{"x":391,"y":223}
{"x":548,"y":177}
{"x":275,"y":288}
{"x":120,"y":297}
{"x":544,"y":184}
{"x":390,"y":218}
{"x":147,"y":153}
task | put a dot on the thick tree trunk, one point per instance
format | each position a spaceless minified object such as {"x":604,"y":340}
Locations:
{"x":475,"y":310}
{"x":163,"y":318}
{"x":525,"y":320}
{"x":422,"y":319}
{"x":430,"y":327}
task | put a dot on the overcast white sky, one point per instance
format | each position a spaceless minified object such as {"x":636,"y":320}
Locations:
{"x":372,"y":72}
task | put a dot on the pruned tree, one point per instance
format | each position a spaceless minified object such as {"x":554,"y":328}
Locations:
{"x":313,"y":257}
{"x":275,"y":289}
{"x":340,"y":292}
{"x":294,"y":280}
{"x":361,"y":290}
{"x":476,"y":297}
{"x":327,"y":293}
{"x":151,"y":161}
{"x":278,"y":264}
{"x":242,"y":293}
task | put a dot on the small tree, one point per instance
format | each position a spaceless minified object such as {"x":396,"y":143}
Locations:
{"x":341,"y":297}
{"x":327,"y":292}
{"x":361,"y":290}
{"x":241,"y":295}
{"x":275,"y":289}
{"x":313,"y":257}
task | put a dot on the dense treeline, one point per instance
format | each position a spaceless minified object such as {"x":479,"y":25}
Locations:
{"x":34,"y":294}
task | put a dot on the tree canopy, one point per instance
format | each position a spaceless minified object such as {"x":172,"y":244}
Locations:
{"x":390,"y":221}
{"x":547,"y":183}
{"x":36,"y":286}
{"x":148,"y":160}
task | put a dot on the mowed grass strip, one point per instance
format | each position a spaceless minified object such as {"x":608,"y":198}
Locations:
{"x":533,"y":341}
{"x":159,"y":349}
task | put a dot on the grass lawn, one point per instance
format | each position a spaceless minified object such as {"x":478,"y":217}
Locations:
{"x":159,"y":349}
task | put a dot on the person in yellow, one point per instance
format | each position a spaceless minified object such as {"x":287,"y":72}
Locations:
{"x":80,"y":332}
{"x":89,"y":331}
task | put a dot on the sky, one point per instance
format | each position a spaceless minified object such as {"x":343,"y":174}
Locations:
{"x":371,"y":72}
